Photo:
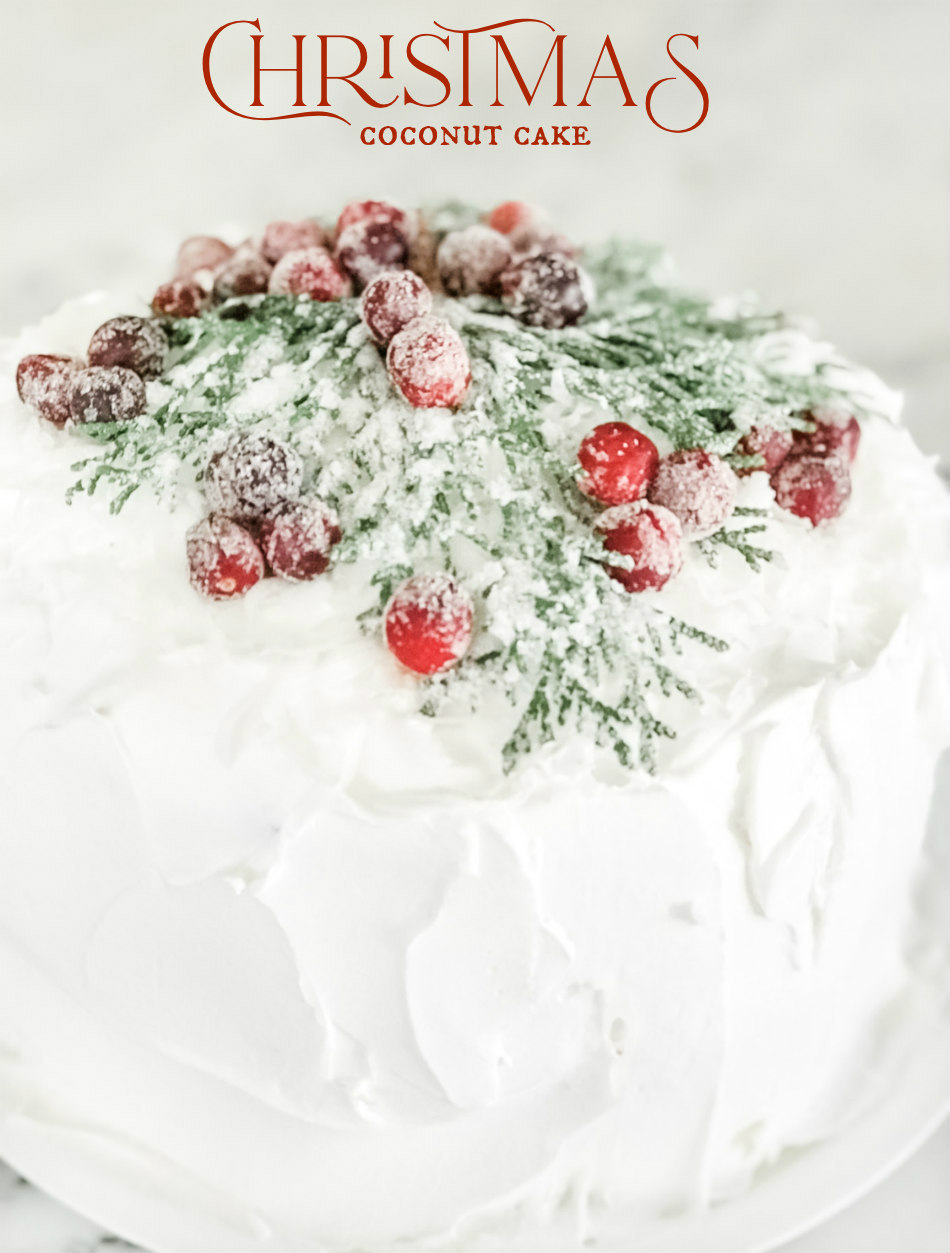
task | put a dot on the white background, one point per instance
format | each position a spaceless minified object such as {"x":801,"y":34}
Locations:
{"x":820,"y":178}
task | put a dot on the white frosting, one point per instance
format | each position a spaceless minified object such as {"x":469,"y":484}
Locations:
{"x":285,"y":964}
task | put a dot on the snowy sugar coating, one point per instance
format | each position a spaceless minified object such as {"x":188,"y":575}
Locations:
{"x":279,"y":238}
{"x":45,"y":383}
{"x":252,"y":475}
{"x":428,"y":623}
{"x":297,"y":539}
{"x":545,"y":290}
{"x":200,"y":254}
{"x":392,"y":301}
{"x":473,"y":260}
{"x":136,"y":343}
{"x":246,"y":273}
{"x":765,"y":447}
{"x":106,"y":394}
{"x":223,"y":559}
{"x":180,"y":298}
{"x":307,"y":272}
{"x":698,"y":487}
{"x":812,"y":486}
{"x":649,"y":538}
{"x":370,"y":247}
{"x":428,"y":363}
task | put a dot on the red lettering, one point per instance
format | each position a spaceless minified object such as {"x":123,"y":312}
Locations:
{"x":427,"y":69}
{"x":259,"y":69}
{"x":557,"y":49}
{"x":691,"y":76}
{"x":325,"y":78}
{"x":628,"y":100}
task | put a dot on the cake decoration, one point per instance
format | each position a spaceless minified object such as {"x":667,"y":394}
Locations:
{"x":102,"y":393}
{"x":698,"y":487}
{"x":650,"y":537}
{"x":44,"y":382}
{"x":307,"y":272}
{"x":618,"y":462}
{"x":223,"y":558}
{"x":136,"y":343}
{"x":279,"y":238}
{"x":428,"y":623}
{"x":392,"y":301}
{"x":812,"y":486}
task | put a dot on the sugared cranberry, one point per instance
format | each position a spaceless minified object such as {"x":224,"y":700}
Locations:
{"x":650,"y":536}
{"x":428,"y":363}
{"x":251,"y":476}
{"x":279,"y":238}
{"x":835,"y":433}
{"x":545,"y":290}
{"x":374,"y":211}
{"x":527,"y":241}
{"x":512,"y":214}
{"x":392,"y":301}
{"x":181,"y":298}
{"x":698,"y":487}
{"x":223,"y":559}
{"x":472,"y":261}
{"x":618,"y":462}
{"x":370,"y":247}
{"x":106,"y":393}
{"x":244,"y":274}
{"x":139,"y":344}
{"x":308,"y":272}
{"x":428,"y":623}
{"x":201,"y":253}
{"x":45,"y":383}
{"x":297,"y":539}
{"x":769,"y":445}
{"x":812,"y":486}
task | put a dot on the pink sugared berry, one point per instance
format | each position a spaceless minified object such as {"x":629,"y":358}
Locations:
{"x":812,"y":486}
{"x":308,"y":272}
{"x":473,"y":260}
{"x":139,"y":344}
{"x":297,"y":539}
{"x":252,"y":476}
{"x":835,"y":433}
{"x":45,"y":383}
{"x":223,"y":559}
{"x":180,"y":298}
{"x":371,"y":247}
{"x":512,"y":214}
{"x":545,"y":290}
{"x":770,"y":446}
{"x":698,"y":487}
{"x":244,"y":274}
{"x":650,"y":537}
{"x":427,"y":361}
{"x":106,"y":393}
{"x":392,"y":301}
{"x":279,"y":238}
{"x":428,"y":623}
{"x":374,"y":211}
{"x":618,"y":462}
{"x":201,"y":254}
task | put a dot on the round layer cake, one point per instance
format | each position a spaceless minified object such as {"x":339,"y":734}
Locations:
{"x":468,"y":719}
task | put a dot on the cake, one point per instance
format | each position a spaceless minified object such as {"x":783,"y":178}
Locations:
{"x":468,"y":713}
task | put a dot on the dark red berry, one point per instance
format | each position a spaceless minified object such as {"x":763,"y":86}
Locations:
{"x":279,"y":238}
{"x":428,"y":363}
{"x":106,"y":393}
{"x":308,"y":272}
{"x":618,"y":462}
{"x":252,"y":476}
{"x":244,"y":274}
{"x":297,"y":539}
{"x":546,"y":290}
{"x":512,"y":214}
{"x":139,"y":344}
{"x":201,"y":253}
{"x":374,"y":211}
{"x":223,"y":559}
{"x":180,"y":298}
{"x":698,"y":487}
{"x":472,"y":261}
{"x":769,"y":445}
{"x":428,"y":623}
{"x":834,"y":433}
{"x":812,"y":486}
{"x":650,"y":537}
{"x":392,"y":301}
{"x":45,"y":383}
{"x":370,"y":247}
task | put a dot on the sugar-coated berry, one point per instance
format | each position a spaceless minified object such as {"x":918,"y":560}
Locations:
{"x":279,"y":238}
{"x":513,"y":214}
{"x":835,"y":433}
{"x":374,"y":211}
{"x":546,"y":290}
{"x":139,"y":344}
{"x":244,"y":274}
{"x":223,"y":558}
{"x":106,"y":393}
{"x":297,"y":539}
{"x":472,"y":261}
{"x":528,"y":240}
{"x":427,"y":361}
{"x":428,"y":623}
{"x":698,"y":487}
{"x":812,"y":486}
{"x":651,"y":539}
{"x":370,"y":247}
{"x":180,"y":298}
{"x":618,"y":462}
{"x":308,"y":272}
{"x":45,"y":383}
{"x":200,"y":254}
{"x":252,"y":476}
{"x":392,"y":301}
{"x":770,"y":446}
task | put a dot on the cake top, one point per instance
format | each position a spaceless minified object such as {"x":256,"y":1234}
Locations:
{"x":515,"y":450}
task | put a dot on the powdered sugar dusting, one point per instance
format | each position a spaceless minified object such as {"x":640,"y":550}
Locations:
{"x":698,"y":487}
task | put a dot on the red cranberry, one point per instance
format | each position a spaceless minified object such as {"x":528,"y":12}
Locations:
{"x":223,"y":559}
{"x":428,"y":623}
{"x":245,"y":274}
{"x":45,"y":383}
{"x":279,"y":238}
{"x":106,"y":393}
{"x":201,"y":252}
{"x":834,"y":433}
{"x":181,"y":298}
{"x":307,"y":272}
{"x":698,"y":487}
{"x":766,"y":443}
{"x":139,"y":344}
{"x":511,"y":214}
{"x":473,"y":261}
{"x":375,"y":211}
{"x":297,"y":539}
{"x":813,"y":487}
{"x":545,"y":290}
{"x":370,"y":247}
{"x":428,"y":363}
{"x":618,"y":463}
{"x":252,"y":476}
{"x":650,"y":536}
{"x":392,"y":301}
